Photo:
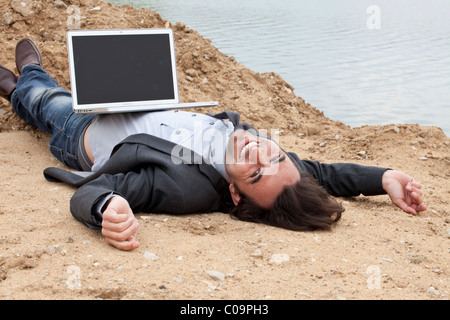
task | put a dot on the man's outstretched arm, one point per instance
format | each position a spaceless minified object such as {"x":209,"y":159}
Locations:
{"x":348,"y":179}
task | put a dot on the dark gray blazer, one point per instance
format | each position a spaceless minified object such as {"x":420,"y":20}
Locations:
{"x":142,"y":171}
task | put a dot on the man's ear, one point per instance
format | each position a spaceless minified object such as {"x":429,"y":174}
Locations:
{"x":234,"y":194}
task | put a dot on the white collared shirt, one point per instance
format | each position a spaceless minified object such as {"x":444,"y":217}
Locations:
{"x":198,"y":132}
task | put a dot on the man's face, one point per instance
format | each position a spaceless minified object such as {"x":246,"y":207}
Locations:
{"x":258,"y":168}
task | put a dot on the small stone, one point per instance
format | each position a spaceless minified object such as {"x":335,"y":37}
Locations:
{"x":322,"y":144}
{"x":362,"y":153}
{"x":191,"y":72}
{"x":150,"y":256}
{"x":60,"y":4}
{"x":279,"y":258}
{"x":50,"y":250}
{"x":23,"y":7}
{"x":396,"y":129}
{"x":261,"y":244}
{"x":417,"y":259}
{"x":8,"y":18}
{"x":180,"y":25}
{"x":423,"y":158}
{"x":256,"y":253}
{"x":433,"y":291}
{"x":216,"y":275}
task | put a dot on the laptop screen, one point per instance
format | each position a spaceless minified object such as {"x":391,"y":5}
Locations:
{"x":123,"y":68}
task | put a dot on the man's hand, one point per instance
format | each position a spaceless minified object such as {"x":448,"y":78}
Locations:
{"x":119,"y":226}
{"x":404,"y":191}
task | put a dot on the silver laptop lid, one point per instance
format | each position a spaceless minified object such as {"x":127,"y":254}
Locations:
{"x":124,"y":70}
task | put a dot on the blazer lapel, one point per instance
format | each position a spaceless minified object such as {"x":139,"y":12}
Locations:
{"x":121,"y":159}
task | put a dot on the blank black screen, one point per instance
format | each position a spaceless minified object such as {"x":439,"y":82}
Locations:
{"x":121,"y":68}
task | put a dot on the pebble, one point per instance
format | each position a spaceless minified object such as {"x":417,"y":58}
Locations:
{"x":433,"y":291}
{"x":256,"y":253}
{"x":150,"y":256}
{"x":25,"y":8}
{"x":216,"y":275}
{"x":8,"y":18}
{"x":279,"y":258}
{"x":191,"y":72}
{"x":60,"y":4}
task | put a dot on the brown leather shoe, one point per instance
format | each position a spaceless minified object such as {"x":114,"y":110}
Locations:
{"x":27,"y":53}
{"x":8,"y":81}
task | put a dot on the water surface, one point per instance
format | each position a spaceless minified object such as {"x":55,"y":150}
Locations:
{"x":361,"y":62}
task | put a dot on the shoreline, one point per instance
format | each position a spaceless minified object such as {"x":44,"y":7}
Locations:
{"x":376,"y":251}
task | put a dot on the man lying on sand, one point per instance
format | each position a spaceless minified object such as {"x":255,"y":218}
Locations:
{"x":180,"y":162}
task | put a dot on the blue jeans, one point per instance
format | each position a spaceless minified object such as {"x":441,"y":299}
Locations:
{"x":40,"y":101}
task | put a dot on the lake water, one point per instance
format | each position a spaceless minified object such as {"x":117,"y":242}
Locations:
{"x":360,"y":62}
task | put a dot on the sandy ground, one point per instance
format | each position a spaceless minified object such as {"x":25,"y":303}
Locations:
{"x":376,"y":251}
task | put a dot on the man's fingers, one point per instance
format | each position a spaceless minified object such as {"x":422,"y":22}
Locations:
{"x":114,"y":217}
{"x":405,"y":207}
{"x":416,"y":197}
{"x":124,"y":245}
{"x":117,"y":234}
{"x":412,"y":189}
{"x":422,"y":207}
{"x":118,"y":226}
{"x":416,"y":184}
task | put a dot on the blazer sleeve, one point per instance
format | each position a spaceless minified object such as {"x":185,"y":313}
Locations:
{"x":345,"y":179}
{"x":84,"y":204}
{"x":147,"y":190}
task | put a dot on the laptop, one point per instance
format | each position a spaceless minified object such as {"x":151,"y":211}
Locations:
{"x":124,"y":71}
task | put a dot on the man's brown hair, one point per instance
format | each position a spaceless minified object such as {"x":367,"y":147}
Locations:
{"x":303,"y":206}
